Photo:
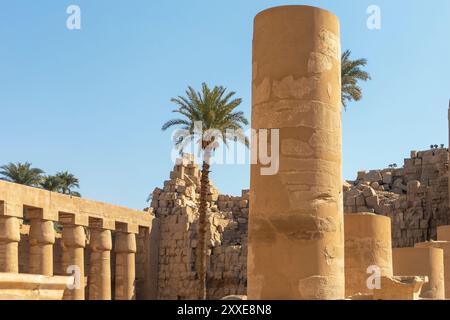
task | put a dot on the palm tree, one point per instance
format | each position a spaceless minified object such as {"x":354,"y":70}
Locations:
{"x":213,"y":110}
{"x":22,"y":173}
{"x":67,"y":182}
{"x":51,"y":183}
{"x":351,"y":73}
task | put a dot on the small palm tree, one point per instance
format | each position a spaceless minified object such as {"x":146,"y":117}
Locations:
{"x":67,"y":182}
{"x":22,"y":173}
{"x":214,"y":110}
{"x":351,"y":74}
{"x":51,"y":183}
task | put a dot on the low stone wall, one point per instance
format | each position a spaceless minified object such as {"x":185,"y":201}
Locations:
{"x":14,"y":286}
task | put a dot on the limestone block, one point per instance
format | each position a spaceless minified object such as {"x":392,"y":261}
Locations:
{"x":422,"y":262}
{"x":15,"y":286}
{"x":373,"y":176}
{"x":369,"y":192}
{"x":443,"y":233}
{"x":399,"y":288}
{"x":387,"y":177}
{"x":361,"y":175}
{"x":372,"y":201}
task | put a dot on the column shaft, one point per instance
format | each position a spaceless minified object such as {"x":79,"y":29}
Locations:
{"x":296,"y":241}
{"x":125,"y":266}
{"x":9,"y":244}
{"x":42,"y":238}
{"x":100,"y":265}
{"x":72,"y":245}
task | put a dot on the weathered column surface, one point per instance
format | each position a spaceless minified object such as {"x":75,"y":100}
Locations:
{"x":100,"y":244}
{"x":422,"y":262}
{"x":368,"y":249}
{"x":443,"y":233}
{"x":42,"y":239}
{"x":9,"y":244}
{"x":296,"y":241}
{"x":125,"y":266}
{"x":72,"y":244}
{"x":444,"y":245}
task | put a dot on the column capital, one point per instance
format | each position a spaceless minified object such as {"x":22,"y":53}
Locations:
{"x":9,"y":229}
{"x":125,"y":242}
{"x":73,"y":236}
{"x":100,"y":239}
{"x":42,"y":232}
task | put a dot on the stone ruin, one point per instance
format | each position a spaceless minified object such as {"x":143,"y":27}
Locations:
{"x":176,"y":208}
{"x":414,"y":196}
{"x":286,"y":238}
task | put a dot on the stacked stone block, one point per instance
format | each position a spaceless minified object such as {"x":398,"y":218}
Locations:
{"x":176,"y":206}
{"x":415,"y":196}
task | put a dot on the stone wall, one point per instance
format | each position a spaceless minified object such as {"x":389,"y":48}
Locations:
{"x":415,"y":196}
{"x":176,"y":207}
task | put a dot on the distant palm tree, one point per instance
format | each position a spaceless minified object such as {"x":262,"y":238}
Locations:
{"x":214,"y":109}
{"x":51,"y":183}
{"x":351,"y":74}
{"x":22,"y":173}
{"x":67,"y":182}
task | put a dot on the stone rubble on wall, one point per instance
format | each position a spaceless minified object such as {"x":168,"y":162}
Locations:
{"x":415,"y":196}
{"x":176,"y":206}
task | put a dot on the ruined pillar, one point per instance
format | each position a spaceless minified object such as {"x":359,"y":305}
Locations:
{"x":296,"y":240}
{"x":41,"y":239}
{"x":72,"y":244}
{"x":100,"y":244}
{"x":9,"y":244}
{"x":368,"y":251}
{"x":125,"y":266}
{"x":443,"y":233}
{"x":422,"y":262}
{"x":444,"y":245}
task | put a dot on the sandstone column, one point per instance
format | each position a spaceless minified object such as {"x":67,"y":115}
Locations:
{"x":443,"y":233}
{"x":125,"y":266}
{"x":100,"y":244}
{"x":422,"y":262}
{"x":72,"y":245}
{"x":444,"y":245}
{"x":42,"y":239}
{"x":368,"y":249}
{"x":296,"y":240}
{"x":9,"y":244}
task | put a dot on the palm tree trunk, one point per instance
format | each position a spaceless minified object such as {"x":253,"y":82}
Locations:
{"x":201,"y":247}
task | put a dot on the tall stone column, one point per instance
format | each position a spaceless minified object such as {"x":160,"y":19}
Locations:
{"x":41,"y":239}
{"x":296,"y":240}
{"x":368,"y":250}
{"x":100,"y":264}
{"x":72,"y":244}
{"x":125,"y":266}
{"x":9,"y":244}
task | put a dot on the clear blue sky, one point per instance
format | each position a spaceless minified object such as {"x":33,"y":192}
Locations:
{"x":92,"y":101}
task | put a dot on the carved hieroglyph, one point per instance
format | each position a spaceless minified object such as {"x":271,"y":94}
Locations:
{"x":296,"y":245}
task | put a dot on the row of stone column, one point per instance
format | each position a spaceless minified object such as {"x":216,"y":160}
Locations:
{"x":73,"y":243}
